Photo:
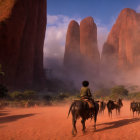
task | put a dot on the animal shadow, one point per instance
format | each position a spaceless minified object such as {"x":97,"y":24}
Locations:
{"x":116,"y":124}
{"x":3,"y":113}
{"x":13,"y":118}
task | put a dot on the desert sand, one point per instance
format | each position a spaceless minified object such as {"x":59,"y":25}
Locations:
{"x":51,"y":123}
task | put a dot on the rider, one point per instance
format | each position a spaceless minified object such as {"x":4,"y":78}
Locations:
{"x":86,"y":95}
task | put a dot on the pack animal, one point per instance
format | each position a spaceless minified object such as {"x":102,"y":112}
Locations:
{"x":81,"y":109}
{"x":135,"y":107}
{"x":102,"y":107}
{"x":111,"y":105}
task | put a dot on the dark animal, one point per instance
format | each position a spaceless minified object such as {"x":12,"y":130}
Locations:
{"x":102,"y":107}
{"x":112,"y":105}
{"x":135,"y":107}
{"x":119,"y":105}
{"x":80,"y":109}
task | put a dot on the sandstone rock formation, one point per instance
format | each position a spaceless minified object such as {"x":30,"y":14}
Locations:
{"x":88,"y":45}
{"x":82,"y":58}
{"x":72,"y":46}
{"x":121,"y":49}
{"x":21,"y":42}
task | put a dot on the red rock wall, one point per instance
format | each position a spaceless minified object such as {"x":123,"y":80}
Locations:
{"x":21,"y":42}
{"x":124,"y":41}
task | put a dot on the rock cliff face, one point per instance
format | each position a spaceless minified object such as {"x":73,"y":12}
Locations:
{"x":82,"y":58}
{"x":72,"y":46}
{"x":88,"y":45}
{"x":21,"y":42}
{"x":122,"y":46}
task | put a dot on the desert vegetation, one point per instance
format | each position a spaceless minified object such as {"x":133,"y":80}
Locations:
{"x":30,"y":98}
{"x":62,"y":93}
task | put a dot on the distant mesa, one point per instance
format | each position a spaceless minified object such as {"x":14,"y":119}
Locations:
{"x":122,"y":48}
{"x":120,"y":53}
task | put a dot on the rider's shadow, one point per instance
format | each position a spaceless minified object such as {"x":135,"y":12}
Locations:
{"x":116,"y":124}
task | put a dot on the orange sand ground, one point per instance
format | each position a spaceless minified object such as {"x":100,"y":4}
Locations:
{"x":51,"y":123}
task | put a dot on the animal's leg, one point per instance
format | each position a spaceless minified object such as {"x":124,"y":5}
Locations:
{"x":74,"y":130}
{"x":95,"y":118}
{"x":100,"y":111}
{"x":83,"y":123}
{"x":119,"y":111}
{"x":111,"y":114}
{"x":108,"y":112}
{"x":136,"y":113}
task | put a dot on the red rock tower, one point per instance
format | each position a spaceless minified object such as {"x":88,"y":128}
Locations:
{"x":88,"y":45}
{"x":121,"y":49}
{"x":72,"y":46}
{"x":22,"y":36}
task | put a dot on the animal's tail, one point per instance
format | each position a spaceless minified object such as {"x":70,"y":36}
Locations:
{"x":70,"y":108}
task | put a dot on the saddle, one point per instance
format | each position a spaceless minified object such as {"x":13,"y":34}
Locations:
{"x":90,"y":106}
{"x":90,"y":102}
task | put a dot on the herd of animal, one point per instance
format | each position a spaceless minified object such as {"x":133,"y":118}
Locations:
{"x":111,"y":105}
{"x":134,"y":107}
{"x":80,"y":109}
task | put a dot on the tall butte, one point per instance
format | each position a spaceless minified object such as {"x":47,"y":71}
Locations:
{"x":22,"y":33}
{"x":72,"y":47}
{"x":88,"y":46}
{"x":121,"y":50}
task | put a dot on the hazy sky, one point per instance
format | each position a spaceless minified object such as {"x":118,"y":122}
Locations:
{"x":60,"y":12}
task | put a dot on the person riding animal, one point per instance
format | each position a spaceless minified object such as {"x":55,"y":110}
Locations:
{"x":85,"y":95}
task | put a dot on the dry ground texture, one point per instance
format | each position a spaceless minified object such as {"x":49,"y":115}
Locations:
{"x":51,"y":123}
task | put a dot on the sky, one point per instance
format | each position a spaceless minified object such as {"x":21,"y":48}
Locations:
{"x":61,"y":12}
{"x":103,"y":10}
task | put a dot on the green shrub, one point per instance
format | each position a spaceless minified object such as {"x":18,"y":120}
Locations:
{"x":26,"y":95}
{"x":29,"y":95}
{"x":16,"y":95}
{"x":48,"y":98}
{"x":118,"y":92}
{"x":62,"y":96}
{"x":135,"y":95}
